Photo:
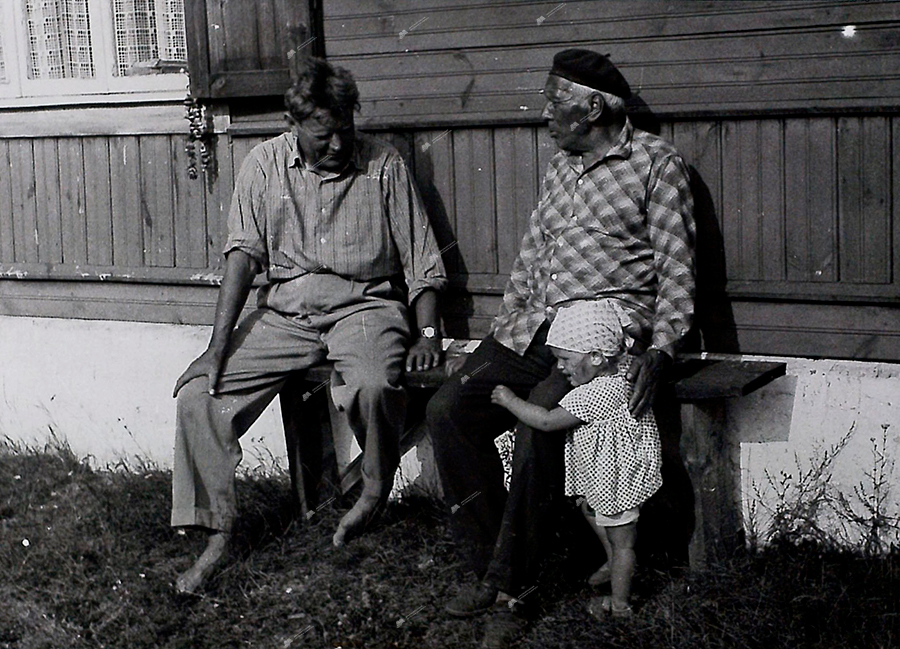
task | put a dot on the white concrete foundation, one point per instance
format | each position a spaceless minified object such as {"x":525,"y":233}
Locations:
{"x":106,"y":389}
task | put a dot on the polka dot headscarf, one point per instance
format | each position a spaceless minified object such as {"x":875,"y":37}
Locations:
{"x":590,"y":326}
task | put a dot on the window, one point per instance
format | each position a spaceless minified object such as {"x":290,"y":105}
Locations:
{"x":52,"y":50}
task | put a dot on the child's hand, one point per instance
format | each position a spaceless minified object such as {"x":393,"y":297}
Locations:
{"x":502,"y":396}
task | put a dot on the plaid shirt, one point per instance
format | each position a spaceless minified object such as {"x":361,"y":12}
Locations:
{"x":623,"y":228}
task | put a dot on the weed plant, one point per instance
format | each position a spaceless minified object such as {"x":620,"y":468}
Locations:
{"x":87,"y":559}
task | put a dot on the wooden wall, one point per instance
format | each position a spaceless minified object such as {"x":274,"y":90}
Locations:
{"x":798,"y":204}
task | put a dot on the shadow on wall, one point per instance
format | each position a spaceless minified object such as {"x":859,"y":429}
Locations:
{"x":714,"y":329}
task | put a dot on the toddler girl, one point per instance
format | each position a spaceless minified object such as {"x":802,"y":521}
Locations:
{"x":612,"y":459}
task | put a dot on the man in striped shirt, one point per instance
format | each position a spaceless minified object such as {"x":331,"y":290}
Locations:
{"x":332,"y":217}
{"x":614,"y":220}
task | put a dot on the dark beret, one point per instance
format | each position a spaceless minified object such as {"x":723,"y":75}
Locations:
{"x":592,"y":70}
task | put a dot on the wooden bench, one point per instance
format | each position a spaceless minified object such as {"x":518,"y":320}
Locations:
{"x":701,"y":385}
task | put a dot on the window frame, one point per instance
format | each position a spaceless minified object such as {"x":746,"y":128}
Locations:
{"x":21,"y":91}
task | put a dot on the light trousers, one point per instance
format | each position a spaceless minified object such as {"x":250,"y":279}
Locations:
{"x":366,"y":341}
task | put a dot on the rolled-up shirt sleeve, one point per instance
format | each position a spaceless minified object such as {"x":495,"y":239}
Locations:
{"x":247,"y":217}
{"x":670,"y":217}
{"x":411,"y":230}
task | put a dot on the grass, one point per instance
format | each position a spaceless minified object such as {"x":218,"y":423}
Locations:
{"x":87,"y":559}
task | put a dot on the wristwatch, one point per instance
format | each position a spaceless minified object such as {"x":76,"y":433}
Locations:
{"x":430,"y":333}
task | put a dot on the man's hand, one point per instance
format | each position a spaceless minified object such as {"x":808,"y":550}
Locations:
{"x":424,"y":354}
{"x":646,"y":373}
{"x":208,"y":364}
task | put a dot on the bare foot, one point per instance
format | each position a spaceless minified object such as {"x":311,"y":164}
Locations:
{"x":602,"y":576}
{"x":366,"y":509}
{"x":213,"y":556}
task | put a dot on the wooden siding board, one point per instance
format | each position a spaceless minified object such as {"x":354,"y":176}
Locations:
{"x":354,"y":27}
{"x":157,"y":201}
{"x":47,"y":200}
{"x":733,"y":199}
{"x":476,"y":226}
{"x":7,"y":249}
{"x":488,"y":61}
{"x":73,"y":201}
{"x":514,"y":191}
{"x":189,"y":210}
{"x":433,"y":169}
{"x":811,"y":200}
{"x":218,"y":201}
{"x":125,"y":194}
{"x":240,"y":30}
{"x":875,"y":201}
{"x":24,"y":208}
{"x":98,"y":201}
{"x":895,"y":200}
{"x":771,"y":225}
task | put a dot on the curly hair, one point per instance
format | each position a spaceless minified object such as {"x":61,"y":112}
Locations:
{"x":321,"y":85}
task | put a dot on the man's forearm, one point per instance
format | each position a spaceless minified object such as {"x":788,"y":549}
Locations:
{"x":240,"y":269}
{"x":426,"y":309}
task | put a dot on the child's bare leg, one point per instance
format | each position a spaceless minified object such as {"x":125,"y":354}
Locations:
{"x":622,"y":539}
{"x":602,"y":574}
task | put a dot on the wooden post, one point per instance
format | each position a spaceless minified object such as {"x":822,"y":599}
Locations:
{"x":712,"y":459}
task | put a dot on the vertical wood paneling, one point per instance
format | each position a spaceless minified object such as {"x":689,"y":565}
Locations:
{"x":241,"y":33}
{"x":125,"y":183}
{"x":73,"y":201}
{"x":433,"y":168}
{"x":47,"y":191}
{"x":734,"y":166}
{"x":268,"y":42}
{"x":190,"y":211}
{"x":895,"y":196}
{"x":810,"y":200}
{"x":218,"y":200}
{"x":863,"y":168}
{"x":771,"y":222}
{"x":157,"y":201}
{"x":21,"y":172}
{"x":515,"y":190}
{"x":7,"y":215}
{"x":98,"y":205}
{"x":473,"y":166}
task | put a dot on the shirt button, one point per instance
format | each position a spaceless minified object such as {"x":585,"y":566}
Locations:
{"x":553,"y":276}
{"x":324,"y":211}
{"x":322,"y":240}
{"x":581,"y":181}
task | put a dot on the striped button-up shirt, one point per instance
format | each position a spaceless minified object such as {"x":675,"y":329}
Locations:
{"x":622,"y":228}
{"x":365,"y":223}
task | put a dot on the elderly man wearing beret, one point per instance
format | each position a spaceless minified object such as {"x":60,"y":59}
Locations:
{"x":614,"y":219}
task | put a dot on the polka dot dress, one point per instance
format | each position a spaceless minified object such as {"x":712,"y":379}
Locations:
{"x":613,"y":460}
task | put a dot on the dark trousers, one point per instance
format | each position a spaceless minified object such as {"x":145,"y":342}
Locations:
{"x":504,"y":537}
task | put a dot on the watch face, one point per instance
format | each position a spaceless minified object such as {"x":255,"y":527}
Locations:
{"x":428,"y":332}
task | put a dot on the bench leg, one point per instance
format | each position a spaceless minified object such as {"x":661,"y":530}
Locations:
{"x":712,"y":459}
{"x":304,"y":415}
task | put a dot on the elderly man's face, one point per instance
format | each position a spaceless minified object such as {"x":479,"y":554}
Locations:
{"x":326,"y":142}
{"x":567,"y":113}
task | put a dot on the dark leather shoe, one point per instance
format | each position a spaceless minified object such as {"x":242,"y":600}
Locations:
{"x":503,"y":629}
{"x":472,"y":600}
